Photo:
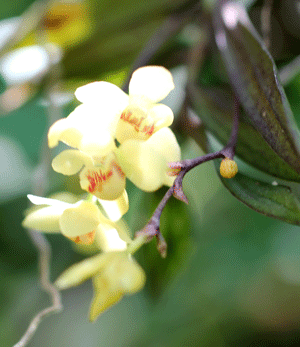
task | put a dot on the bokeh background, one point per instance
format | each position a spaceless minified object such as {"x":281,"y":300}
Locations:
{"x":232,"y":276}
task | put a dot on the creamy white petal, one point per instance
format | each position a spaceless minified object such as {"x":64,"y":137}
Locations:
{"x":98,"y":142}
{"x":145,"y":167}
{"x":45,"y":219}
{"x":106,"y":182}
{"x":39,"y":200}
{"x":153,"y":82}
{"x":134,"y":124}
{"x":65,"y":132}
{"x":133,"y":279}
{"x":164,"y":142}
{"x":162,"y":115}
{"x":90,"y":128}
{"x":79,"y":220}
{"x":108,"y":239}
{"x":115,"y":209}
{"x":102,"y":92}
{"x":80,"y":272}
{"x":70,"y":161}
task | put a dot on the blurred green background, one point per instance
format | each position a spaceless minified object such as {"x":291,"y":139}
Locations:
{"x":232,"y":276}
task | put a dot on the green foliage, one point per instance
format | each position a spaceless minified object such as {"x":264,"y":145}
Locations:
{"x":253,"y":75}
{"x":231,"y":277}
{"x":275,"y":201}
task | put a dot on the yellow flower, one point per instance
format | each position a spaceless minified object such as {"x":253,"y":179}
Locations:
{"x":121,"y":276}
{"x":145,"y":163}
{"x":93,"y":136}
{"x":115,"y":274}
{"x":79,"y":221}
{"x":140,"y":116}
{"x":136,"y":121}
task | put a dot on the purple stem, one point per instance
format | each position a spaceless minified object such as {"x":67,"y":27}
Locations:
{"x":152,"y":227}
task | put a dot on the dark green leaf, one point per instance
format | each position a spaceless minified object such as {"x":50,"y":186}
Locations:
{"x":215,"y":108}
{"x":273,"y":201}
{"x":253,"y":75}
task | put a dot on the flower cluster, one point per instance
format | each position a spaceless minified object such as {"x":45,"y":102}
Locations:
{"x":113,"y":136}
{"x":136,"y":121}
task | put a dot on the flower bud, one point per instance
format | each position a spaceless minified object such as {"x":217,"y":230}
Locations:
{"x":228,"y":168}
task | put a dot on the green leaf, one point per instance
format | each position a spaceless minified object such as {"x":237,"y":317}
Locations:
{"x":214,"y":105}
{"x":253,"y":75}
{"x":274,"y":201}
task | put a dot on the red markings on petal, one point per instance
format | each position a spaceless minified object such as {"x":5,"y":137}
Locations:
{"x":86,"y":239}
{"x":136,"y":122}
{"x":118,"y":169}
{"x":97,"y":179}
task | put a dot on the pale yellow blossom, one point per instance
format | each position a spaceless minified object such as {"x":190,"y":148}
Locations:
{"x":78,"y":221}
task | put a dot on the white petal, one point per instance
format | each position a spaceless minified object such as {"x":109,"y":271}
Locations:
{"x":164,"y":142}
{"x":153,"y":82}
{"x":102,"y":92}
{"x":70,"y":161}
{"x":39,"y":200}
{"x":98,"y":142}
{"x":108,"y":239}
{"x":115,"y":209}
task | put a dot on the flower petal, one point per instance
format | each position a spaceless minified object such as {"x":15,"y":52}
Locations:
{"x":162,"y":115}
{"x":98,"y":142}
{"x":142,"y":165}
{"x":164,"y":142}
{"x":39,"y":200}
{"x":106,"y":182}
{"x":63,"y":131}
{"x":108,"y":239}
{"x":90,"y":128}
{"x":70,"y":161}
{"x":145,"y":162}
{"x":80,"y":272}
{"x":133,"y":279}
{"x":102,"y":92}
{"x":154,"y":82}
{"x":134,"y":124}
{"x":86,"y":239}
{"x":106,"y":294}
{"x":44,"y":219}
{"x":79,"y":220}
{"x":115,"y":209}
